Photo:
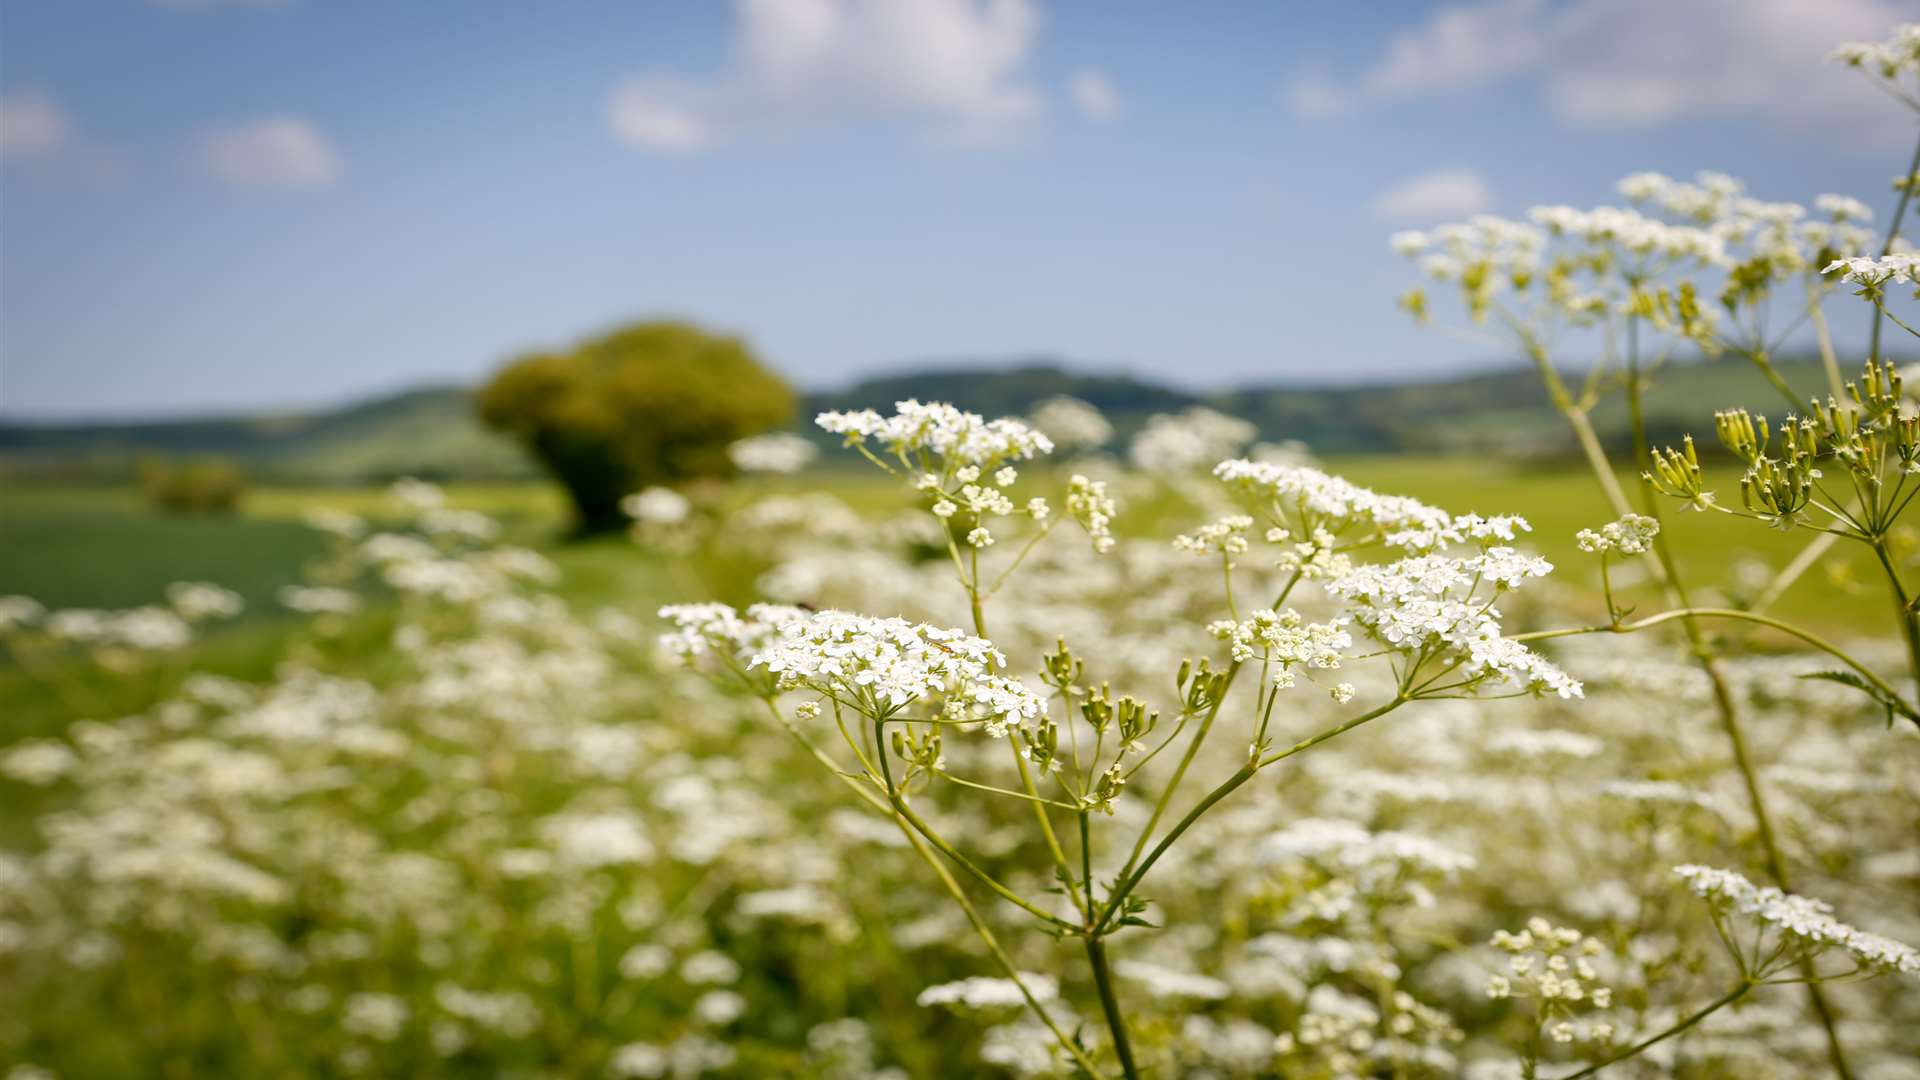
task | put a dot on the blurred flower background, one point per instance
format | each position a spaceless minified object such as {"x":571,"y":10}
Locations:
{"x":452,"y":623}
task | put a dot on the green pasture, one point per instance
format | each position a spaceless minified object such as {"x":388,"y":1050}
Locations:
{"x":101,"y":547}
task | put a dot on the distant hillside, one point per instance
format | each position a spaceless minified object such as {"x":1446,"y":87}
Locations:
{"x":431,"y":432}
{"x":1498,"y":411}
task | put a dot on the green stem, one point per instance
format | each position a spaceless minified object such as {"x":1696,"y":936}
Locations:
{"x":940,"y":844}
{"x":1179,"y":773}
{"x":1110,"y":1005}
{"x":1651,"y":621}
{"x":959,"y":896}
{"x":1308,"y":744}
{"x":1893,"y":234}
{"x":1736,"y":994}
{"x":1836,"y":383}
{"x":1903,"y":608}
{"x":1132,"y":878}
{"x":1723,"y":699}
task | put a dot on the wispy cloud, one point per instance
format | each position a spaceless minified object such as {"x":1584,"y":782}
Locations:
{"x":952,"y":69}
{"x":273,"y":151}
{"x":32,"y":126}
{"x":1094,"y":94}
{"x":1434,"y":196}
{"x":1630,"y":63}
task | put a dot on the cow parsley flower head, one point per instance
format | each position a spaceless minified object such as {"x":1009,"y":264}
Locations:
{"x":1321,"y":500}
{"x":1071,"y":423}
{"x":775,"y":452}
{"x":1227,"y":536}
{"x":1876,"y":271}
{"x":19,"y":612}
{"x":880,"y":666}
{"x":703,"y":630}
{"x":1172,"y":443}
{"x":1165,"y":982}
{"x":1435,"y":605}
{"x":1843,"y":208}
{"x":1898,"y":55}
{"x":1089,"y":504}
{"x":1631,"y":535}
{"x":657,"y":506}
{"x":198,"y":601}
{"x":1804,"y":927}
{"x":982,"y":992}
{"x":938,"y":430}
{"x":1285,"y":638}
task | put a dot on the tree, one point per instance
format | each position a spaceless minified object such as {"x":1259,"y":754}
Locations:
{"x":652,"y":403}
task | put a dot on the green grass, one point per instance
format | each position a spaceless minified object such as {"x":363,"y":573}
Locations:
{"x":101,"y":547}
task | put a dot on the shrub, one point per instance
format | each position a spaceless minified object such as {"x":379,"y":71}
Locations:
{"x":201,"y":486}
{"x":649,"y":404}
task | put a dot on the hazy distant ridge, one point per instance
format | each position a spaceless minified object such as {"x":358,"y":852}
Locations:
{"x":432,"y":431}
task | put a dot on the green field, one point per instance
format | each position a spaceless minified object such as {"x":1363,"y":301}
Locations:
{"x":100,"y":547}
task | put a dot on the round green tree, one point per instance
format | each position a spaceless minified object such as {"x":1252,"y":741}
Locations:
{"x":651,"y":403}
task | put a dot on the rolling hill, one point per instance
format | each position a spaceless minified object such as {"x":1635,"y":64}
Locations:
{"x":431,"y":431}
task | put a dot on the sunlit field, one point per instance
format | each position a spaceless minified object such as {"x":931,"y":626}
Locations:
{"x":1544,"y":722}
{"x":476,"y":821}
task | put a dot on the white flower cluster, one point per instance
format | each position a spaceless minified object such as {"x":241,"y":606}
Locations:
{"x":319,"y":599}
{"x":1631,"y":535}
{"x":775,"y":452}
{"x":879,"y":666}
{"x":1634,"y":233}
{"x":1166,"y":982}
{"x":1324,"y":500}
{"x":983,"y":992}
{"x":1285,"y":638}
{"x":1889,"y":59}
{"x":1227,"y":536}
{"x":1448,"y":252}
{"x":717,"y":629}
{"x":1806,"y":923}
{"x":18,"y":612}
{"x":1901,"y":266}
{"x":143,"y":629}
{"x":1182,"y":442}
{"x":1554,"y":965}
{"x":1071,"y":423}
{"x":1346,"y":1035}
{"x":198,"y":601}
{"x":1089,"y":504}
{"x":657,"y":506}
{"x":1776,"y":232}
{"x":1427,"y":603}
{"x":959,"y":438}
{"x":1581,"y":264}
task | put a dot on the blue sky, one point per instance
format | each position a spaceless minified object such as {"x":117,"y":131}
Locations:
{"x":235,"y":204}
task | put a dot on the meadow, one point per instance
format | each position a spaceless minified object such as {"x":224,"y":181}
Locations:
{"x":631,"y":903}
{"x":103,"y":547}
{"x":1025,"y":744}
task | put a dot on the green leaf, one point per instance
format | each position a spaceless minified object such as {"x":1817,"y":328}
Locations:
{"x":1893,"y":705}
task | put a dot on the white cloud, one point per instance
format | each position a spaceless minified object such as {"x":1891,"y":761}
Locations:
{"x":31,"y":125}
{"x":951,"y":68}
{"x":1432,"y":196}
{"x":645,"y":112}
{"x":1626,"y":63}
{"x":274,"y":151}
{"x":1093,"y":92}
